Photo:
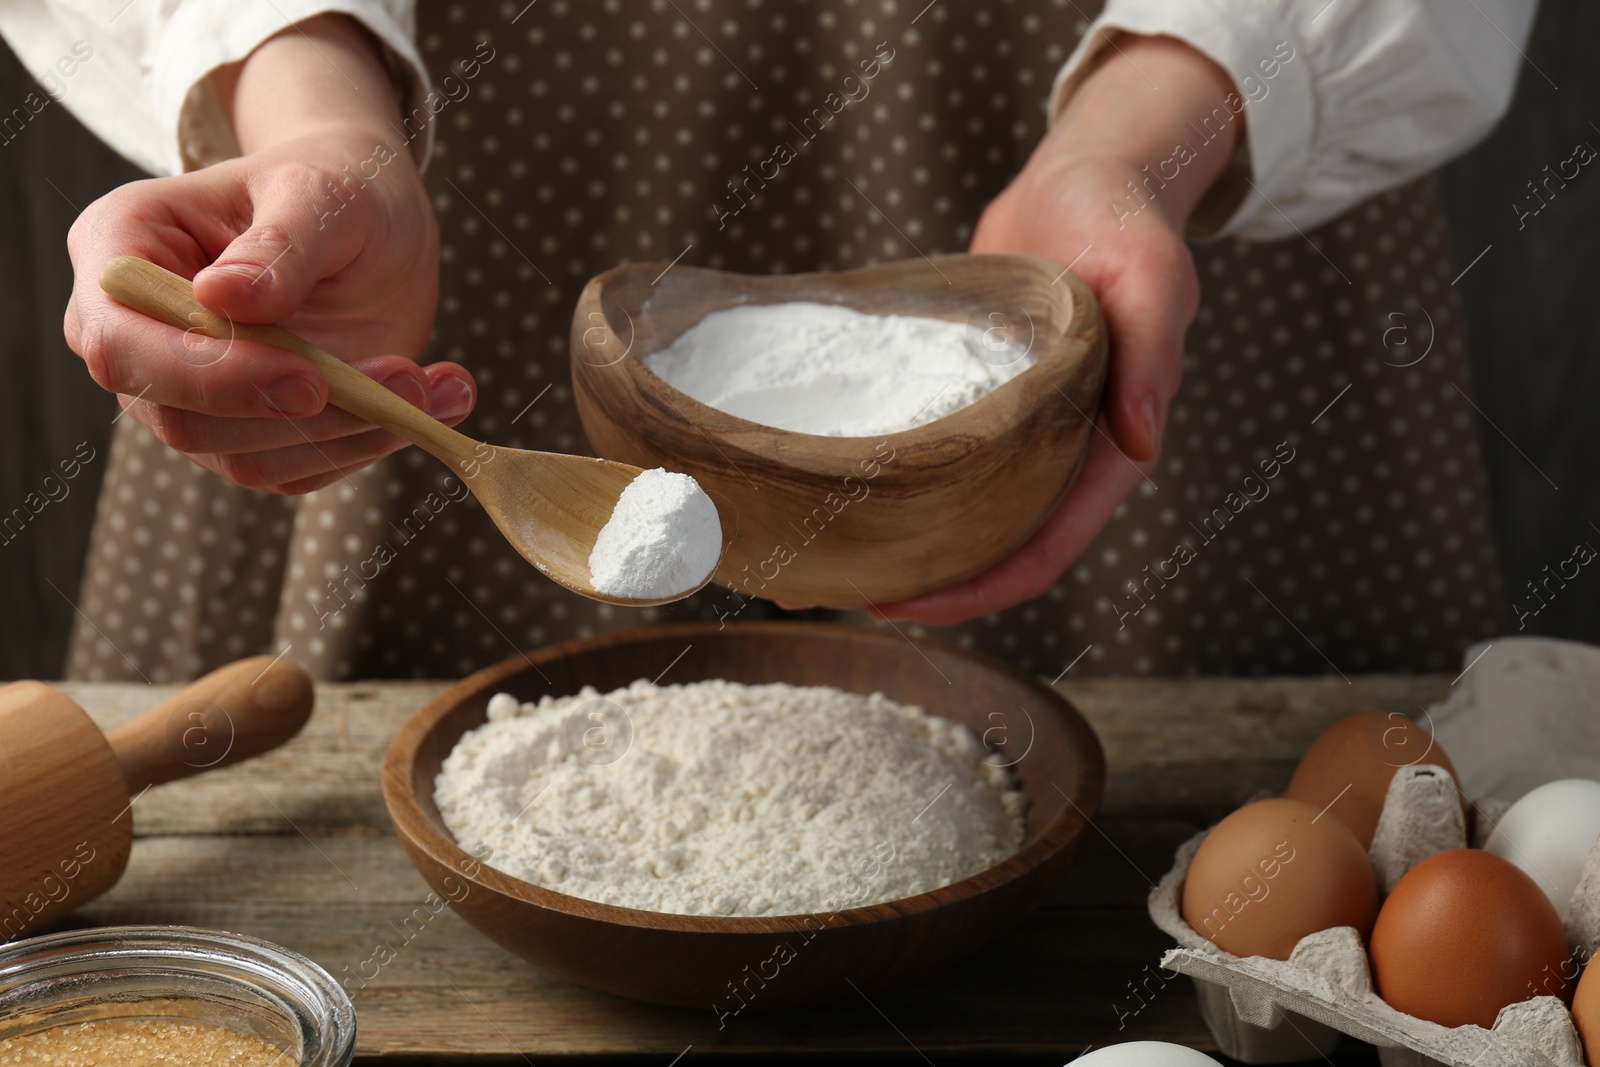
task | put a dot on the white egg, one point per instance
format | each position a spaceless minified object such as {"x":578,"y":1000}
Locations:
{"x":1145,"y":1054}
{"x":1549,"y":833}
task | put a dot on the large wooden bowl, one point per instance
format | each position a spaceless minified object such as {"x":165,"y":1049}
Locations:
{"x":848,"y":521}
{"x":690,"y":960}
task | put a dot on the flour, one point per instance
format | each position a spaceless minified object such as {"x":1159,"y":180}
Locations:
{"x":824,"y":369}
{"x":662,"y":540}
{"x":717,"y":798}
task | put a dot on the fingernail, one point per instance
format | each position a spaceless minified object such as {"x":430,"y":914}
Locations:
{"x":1148,"y":406}
{"x":248,"y":271}
{"x":407,"y":388}
{"x":451,"y":397}
{"x":294,"y":397}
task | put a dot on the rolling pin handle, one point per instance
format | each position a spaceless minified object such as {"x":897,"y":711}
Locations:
{"x":236,"y":712}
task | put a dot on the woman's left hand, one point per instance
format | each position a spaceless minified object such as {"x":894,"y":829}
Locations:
{"x":1072,"y":203}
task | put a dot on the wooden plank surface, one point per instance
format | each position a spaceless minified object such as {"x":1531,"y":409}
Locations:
{"x":295,"y":847}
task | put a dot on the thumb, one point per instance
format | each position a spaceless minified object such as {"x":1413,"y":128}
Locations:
{"x":1147,"y":306}
{"x":269,"y":270}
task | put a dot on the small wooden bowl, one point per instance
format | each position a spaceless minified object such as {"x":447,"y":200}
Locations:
{"x":697,"y":961}
{"x":849,"y":521}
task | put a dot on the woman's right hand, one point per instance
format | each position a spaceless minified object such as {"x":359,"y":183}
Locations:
{"x":325,"y":229}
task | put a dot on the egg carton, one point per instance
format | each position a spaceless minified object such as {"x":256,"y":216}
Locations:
{"x":1279,"y":1011}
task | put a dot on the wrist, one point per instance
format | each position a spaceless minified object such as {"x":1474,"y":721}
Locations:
{"x":1158,"y":107}
{"x":325,"y":76}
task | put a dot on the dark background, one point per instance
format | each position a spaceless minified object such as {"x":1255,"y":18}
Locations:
{"x":1533,"y":350}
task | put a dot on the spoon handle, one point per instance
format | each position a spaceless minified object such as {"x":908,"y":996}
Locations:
{"x":160,"y":294}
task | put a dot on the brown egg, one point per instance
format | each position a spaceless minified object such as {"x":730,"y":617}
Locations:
{"x":1462,"y":935}
{"x":1351,"y":764}
{"x":1586,"y":1014}
{"x":1273,"y":872}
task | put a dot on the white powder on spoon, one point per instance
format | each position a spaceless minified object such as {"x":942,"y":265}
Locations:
{"x":662,"y":540}
{"x":823,"y":369}
{"x":717,"y":798}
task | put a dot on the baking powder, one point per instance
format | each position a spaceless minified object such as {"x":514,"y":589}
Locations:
{"x":717,"y":798}
{"x":824,"y":369}
{"x":662,"y":540}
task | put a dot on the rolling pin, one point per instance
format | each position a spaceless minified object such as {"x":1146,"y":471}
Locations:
{"x":67,"y":790}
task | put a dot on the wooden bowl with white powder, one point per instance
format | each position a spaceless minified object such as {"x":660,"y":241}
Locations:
{"x":866,"y":435}
{"x":729,"y":964}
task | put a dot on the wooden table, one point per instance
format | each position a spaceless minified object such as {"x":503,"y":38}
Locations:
{"x":295,"y":847}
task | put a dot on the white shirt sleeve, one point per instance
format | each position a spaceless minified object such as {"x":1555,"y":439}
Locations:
{"x":1373,"y":94}
{"x":135,"y":71}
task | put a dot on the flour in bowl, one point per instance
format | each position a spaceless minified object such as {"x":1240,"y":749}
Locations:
{"x":717,"y":798}
{"x":824,"y":369}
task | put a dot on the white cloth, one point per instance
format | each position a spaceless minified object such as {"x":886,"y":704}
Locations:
{"x":1378,"y":91}
{"x":142,"y":88}
{"x":1375,"y":93}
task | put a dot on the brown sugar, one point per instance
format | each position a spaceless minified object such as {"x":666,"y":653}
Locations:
{"x":141,"y":1043}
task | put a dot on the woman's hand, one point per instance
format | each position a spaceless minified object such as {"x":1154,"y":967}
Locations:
{"x":1073,"y":203}
{"x":322,"y":225}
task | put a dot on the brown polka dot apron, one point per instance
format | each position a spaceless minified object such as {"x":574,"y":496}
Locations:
{"x":1320,"y":504}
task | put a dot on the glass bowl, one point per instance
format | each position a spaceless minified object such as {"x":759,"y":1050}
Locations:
{"x":177,"y":973}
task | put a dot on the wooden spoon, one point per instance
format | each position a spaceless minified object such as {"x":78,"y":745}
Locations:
{"x":551,"y":507}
